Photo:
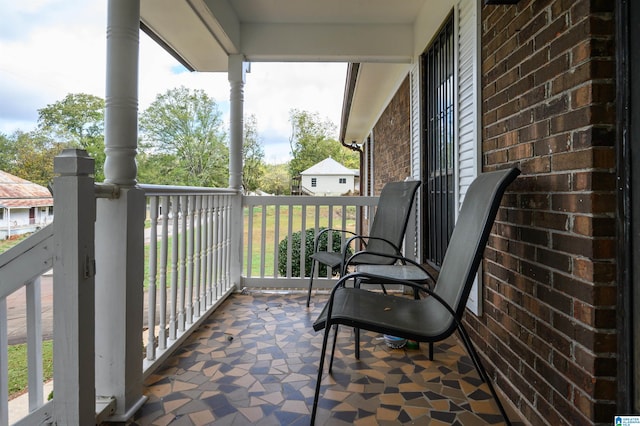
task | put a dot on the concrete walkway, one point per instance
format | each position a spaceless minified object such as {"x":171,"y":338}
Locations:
{"x":17,"y":312}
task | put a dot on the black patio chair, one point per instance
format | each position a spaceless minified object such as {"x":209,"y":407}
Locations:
{"x":386,"y":235}
{"x":433,"y":318}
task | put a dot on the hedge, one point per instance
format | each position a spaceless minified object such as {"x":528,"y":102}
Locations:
{"x":295,"y":252}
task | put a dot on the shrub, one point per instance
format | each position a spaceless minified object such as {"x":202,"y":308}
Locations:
{"x":295,"y":252}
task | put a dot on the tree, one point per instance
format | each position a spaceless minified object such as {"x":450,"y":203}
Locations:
{"x":34,"y":155}
{"x":188,"y":125}
{"x":275,"y":179}
{"x":76,"y":121}
{"x":311,"y":142}
{"x":8,"y":153}
{"x":252,"y":155}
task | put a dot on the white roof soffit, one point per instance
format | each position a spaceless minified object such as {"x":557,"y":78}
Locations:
{"x":376,"y":84}
{"x":203,"y":33}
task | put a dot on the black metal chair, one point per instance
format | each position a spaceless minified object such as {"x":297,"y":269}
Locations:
{"x":433,"y":318}
{"x":386,"y":235}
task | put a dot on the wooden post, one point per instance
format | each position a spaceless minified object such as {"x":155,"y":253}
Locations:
{"x":73,"y":285}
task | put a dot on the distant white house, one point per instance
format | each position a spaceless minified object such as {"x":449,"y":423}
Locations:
{"x":328,"y":177}
{"x":24,"y":206}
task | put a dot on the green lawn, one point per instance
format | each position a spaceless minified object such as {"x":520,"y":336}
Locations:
{"x":272,"y":240}
{"x":18,"y":366}
{"x":7,"y":244}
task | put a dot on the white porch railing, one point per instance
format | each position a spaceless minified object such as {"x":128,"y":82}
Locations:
{"x":270,"y":220}
{"x":189,"y":262}
{"x":21,"y":268}
{"x":194,"y":253}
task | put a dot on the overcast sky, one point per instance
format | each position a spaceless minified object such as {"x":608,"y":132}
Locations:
{"x":49,"y":48}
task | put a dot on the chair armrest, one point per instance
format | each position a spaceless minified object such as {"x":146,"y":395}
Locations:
{"x":365,"y":239}
{"x":324,"y":231}
{"x":428,"y":281}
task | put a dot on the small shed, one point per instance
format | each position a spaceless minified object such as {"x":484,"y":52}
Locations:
{"x":24,"y":206}
{"x":328,"y":177}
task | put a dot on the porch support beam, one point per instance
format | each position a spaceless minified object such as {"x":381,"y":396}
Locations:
{"x":121,"y":98}
{"x":120,"y":224}
{"x":237,"y":74}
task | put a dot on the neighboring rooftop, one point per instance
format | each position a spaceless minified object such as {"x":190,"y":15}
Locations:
{"x":16,"y":192}
{"x":328,"y":167}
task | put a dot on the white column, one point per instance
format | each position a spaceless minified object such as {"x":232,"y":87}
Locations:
{"x":237,"y":72}
{"x":120,"y":224}
{"x":121,"y":98}
{"x":73,"y":285}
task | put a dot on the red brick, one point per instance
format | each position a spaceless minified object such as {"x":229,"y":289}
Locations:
{"x":536,"y":165}
{"x":553,"y":144}
{"x":594,"y":181}
{"x":550,"y":220}
{"x":555,"y":300}
{"x":573,"y":160}
{"x":597,"y":135}
{"x":572,"y":120}
{"x":594,"y":226}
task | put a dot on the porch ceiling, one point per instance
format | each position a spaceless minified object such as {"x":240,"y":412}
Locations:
{"x":383,"y":36}
{"x":204,"y":32}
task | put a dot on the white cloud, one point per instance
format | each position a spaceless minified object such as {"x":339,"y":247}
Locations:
{"x":272,"y":90}
{"x":54,"y":47}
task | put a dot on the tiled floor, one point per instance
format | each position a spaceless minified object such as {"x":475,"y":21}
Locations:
{"x":254,"y":361}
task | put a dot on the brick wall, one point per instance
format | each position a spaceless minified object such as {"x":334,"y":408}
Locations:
{"x":392,"y":140}
{"x":548,"y":98}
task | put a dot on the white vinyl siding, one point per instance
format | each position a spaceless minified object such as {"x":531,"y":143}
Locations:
{"x":414,"y":229}
{"x":468,"y":114}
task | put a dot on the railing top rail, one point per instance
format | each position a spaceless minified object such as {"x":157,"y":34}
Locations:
{"x":156,"y":190}
{"x":308,"y":200}
{"x":26,"y":260}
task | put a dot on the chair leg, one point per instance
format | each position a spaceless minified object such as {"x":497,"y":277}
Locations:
{"x":357,"y":339}
{"x":333,"y":348}
{"x":482,"y":372}
{"x":430,"y":351}
{"x":319,"y":379}
{"x":313,"y":268}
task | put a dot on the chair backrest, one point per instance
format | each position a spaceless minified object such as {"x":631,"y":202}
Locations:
{"x":470,"y":236}
{"x":392,"y":215}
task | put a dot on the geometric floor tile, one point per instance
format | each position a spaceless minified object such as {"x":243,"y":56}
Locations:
{"x":255,"y":360}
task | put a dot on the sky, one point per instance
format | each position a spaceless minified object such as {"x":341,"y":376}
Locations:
{"x":50,"y":48}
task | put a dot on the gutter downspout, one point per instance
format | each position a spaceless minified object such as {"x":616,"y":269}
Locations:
{"x":349,"y":91}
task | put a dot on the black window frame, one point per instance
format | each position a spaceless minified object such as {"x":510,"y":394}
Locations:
{"x":438,"y":113}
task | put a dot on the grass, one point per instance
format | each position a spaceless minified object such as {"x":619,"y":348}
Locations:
{"x":17,"y":360}
{"x":14,"y":240}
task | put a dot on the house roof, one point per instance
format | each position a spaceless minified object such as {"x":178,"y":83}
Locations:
{"x":16,"y":192}
{"x":328,"y":167}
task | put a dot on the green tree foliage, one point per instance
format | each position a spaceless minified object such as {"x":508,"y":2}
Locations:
{"x":275,"y":179}
{"x":188,"y":125}
{"x":8,"y":153}
{"x":311,"y":142}
{"x":76,"y":121}
{"x":29,"y":156}
{"x":252,"y":155}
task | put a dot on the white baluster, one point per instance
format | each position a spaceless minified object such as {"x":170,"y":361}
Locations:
{"x":153,"y":270}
